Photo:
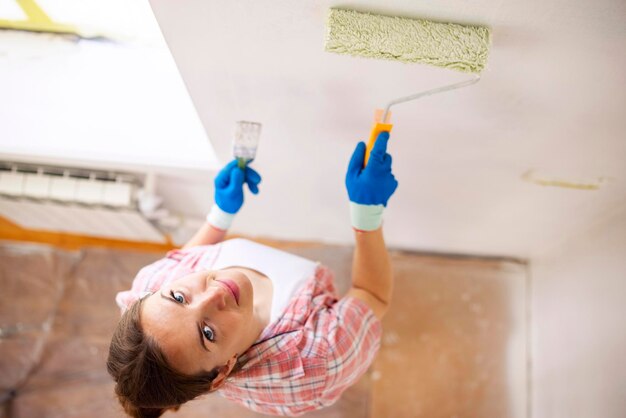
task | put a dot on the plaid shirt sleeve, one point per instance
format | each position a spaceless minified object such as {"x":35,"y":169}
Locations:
{"x":175,"y":264}
{"x":146,"y":280}
{"x":353,"y":334}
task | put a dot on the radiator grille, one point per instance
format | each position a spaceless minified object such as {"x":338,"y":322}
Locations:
{"x":75,"y":200}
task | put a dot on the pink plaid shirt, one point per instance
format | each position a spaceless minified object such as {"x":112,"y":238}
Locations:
{"x":303,"y":361}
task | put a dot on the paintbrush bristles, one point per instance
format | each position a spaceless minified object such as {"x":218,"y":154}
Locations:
{"x":246,"y":140}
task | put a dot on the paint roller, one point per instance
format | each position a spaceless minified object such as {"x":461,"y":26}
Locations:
{"x":447,"y":45}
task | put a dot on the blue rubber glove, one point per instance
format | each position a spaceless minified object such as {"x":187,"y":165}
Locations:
{"x":374,"y":184}
{"x":371,"y":187}
{"x":229,"y":193}
{"x":229,"y":186}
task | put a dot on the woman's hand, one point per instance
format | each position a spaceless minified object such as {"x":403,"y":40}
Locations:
{"x":370,"y":188}
{"x":229,"y":186}
{"x":228,"y":200}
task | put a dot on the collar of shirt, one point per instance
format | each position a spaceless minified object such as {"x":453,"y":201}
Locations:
{"x":278,"y":343}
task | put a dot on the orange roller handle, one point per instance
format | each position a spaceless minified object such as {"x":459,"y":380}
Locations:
{"x":378,"y":127}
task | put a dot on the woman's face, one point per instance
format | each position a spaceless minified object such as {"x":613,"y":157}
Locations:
{"x":202,"y":320}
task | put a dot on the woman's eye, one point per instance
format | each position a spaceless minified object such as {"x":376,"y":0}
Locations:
{"x":178,"y":297}
{"x":208,"y":333}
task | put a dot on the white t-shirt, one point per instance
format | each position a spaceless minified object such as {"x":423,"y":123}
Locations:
{"x":286,"y":271}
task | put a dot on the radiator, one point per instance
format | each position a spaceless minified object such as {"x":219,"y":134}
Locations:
{"x":75,"y":201}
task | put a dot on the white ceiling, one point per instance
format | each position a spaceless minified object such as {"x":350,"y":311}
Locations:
{"x":552,"y":100}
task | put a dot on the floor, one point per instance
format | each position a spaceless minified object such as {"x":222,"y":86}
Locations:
{"x":454,"y":340}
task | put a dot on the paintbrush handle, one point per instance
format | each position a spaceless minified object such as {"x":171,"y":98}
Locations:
{"x":242,"y":162}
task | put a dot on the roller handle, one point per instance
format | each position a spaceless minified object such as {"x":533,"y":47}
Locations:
{"x":377,"y":128}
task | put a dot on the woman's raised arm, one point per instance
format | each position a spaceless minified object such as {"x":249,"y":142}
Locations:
{"x":369,"y":190}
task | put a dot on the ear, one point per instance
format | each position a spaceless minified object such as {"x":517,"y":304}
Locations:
{"x":224,"y":371}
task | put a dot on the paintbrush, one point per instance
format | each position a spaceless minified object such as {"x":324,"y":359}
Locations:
{"x":245,"y":142}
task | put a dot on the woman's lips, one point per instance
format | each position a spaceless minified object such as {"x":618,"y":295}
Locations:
{"x":232,"y":286}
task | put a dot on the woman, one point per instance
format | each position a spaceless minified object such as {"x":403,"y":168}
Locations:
{"x":261,"y":326}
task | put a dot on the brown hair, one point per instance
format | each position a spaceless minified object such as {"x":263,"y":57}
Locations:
{"x":146,"y":385}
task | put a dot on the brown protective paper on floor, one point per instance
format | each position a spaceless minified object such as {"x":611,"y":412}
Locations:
{"x":443,"y":349}
{"x":454,"y":342}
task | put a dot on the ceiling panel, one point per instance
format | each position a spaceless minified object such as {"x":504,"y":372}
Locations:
{"x":552,"y":100}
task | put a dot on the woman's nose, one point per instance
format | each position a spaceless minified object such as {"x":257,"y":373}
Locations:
{"x":212,"y":298}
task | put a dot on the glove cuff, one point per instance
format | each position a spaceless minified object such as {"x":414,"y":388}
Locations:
{"x":366,"y":217}
{"x":220,"y":219}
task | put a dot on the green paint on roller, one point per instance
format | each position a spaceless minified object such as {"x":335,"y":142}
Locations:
{"x":447,"y":45}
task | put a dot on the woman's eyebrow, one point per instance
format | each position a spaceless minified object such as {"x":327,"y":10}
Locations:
{"x":168,"y":298}
{"x":199,"y":330}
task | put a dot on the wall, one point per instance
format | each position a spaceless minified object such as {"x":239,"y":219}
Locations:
{"x":551,"y":103}
{"x":578,"y":330}
{"x":97,"y":104}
